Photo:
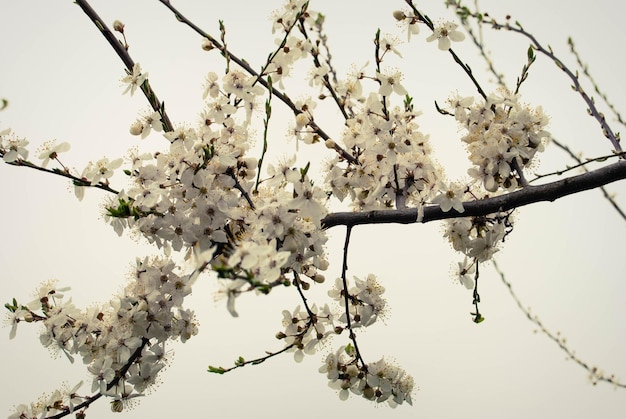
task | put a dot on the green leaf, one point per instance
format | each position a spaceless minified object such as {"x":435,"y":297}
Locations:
{"x":216,"y":370}
{"x":531,"y":53}
{"x":349,"y":349}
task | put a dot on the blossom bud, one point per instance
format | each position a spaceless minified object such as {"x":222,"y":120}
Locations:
{"x":399,"y":15}
{"x":118,"y":26}
{"x":338,"y":330}
{"x":319,"y":278}
{"x":330,"y":143}
{"x":369,"y":393}
{"x":207,"y":45}
{"x":280,"y":335}
{"x":352,"y":370}
{"x":136,"y":128}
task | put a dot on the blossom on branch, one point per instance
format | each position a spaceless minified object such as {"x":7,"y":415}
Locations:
{"x":444,"y":34}
{"x":134,"y":79}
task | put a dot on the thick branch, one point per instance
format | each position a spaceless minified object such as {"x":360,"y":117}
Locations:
{"x":528,"y":195}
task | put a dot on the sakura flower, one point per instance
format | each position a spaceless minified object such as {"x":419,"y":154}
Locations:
{"x":212,"y":88}
{"x":231,"y":290}
{"x":390,"y":83}
{"x":450,"y":197}
{"x":51,"y":151}
{"x":134,"y":79}
{"x":13,"y":148}
{"x":102,"y":169}
{"x":146,"y":123}
{"x":408,"y":22}
{"x":465,"y":273}
{"x":446,"y":33}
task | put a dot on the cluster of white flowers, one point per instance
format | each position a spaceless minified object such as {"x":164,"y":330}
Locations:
{"x":204,"y":197}
{"x":122,"y":342}
{"x":365,"y":300}
{"x":304,"y":332}
{"x":379,"y":381}
{"x":478,"y":237}
{"x":394,"y":167}
{"x":502,"y":138}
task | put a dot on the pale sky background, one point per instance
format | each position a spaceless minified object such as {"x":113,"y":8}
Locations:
{"x":564,"y":259}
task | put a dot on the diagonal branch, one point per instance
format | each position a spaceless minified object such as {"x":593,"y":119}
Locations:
{"x":529,"y":195}
{"x":243,"y":64}
{"x":121,"y":51}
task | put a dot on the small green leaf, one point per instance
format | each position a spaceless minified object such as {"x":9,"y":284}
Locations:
{"x":531,"y":53}
{"x":349,"y":349}
{"x":216,"y":370}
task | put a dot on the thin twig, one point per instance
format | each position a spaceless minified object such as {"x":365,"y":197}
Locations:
{"x":594,"y":373}
{"x":346,"y":294}
{"x":465,"y":67}
{"x":585,"y":68}
{"x":75,"y":179}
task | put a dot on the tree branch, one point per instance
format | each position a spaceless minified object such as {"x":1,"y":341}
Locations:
{"x":529,"y":195}
{"x":121,"y":51}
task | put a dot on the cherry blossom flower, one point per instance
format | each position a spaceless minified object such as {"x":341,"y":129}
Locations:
{"x":446,"y":33}
{"x":410,"y":23}
{"x":451,"y":197}
{"x":134,"y":79}
{"x":12,"y":148}
{"x":390,"y":83}
{"x":51,"y":151}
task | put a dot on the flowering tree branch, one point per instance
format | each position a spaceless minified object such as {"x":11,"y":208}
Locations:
{"x":528,"y":195}
{"x":258,"y":77}
{"x":122,"y":52}
{"x":465,"y":13}
{"x":204,"y":198}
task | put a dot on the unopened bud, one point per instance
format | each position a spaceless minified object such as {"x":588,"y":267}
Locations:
{"x":319,"y":278}
{"x":136,"y":128}
{"x":399,"y":15}
{"x":118,"y":26}
{"x":207,"y":45}
{"x":280,"y":335}
{"x":330,"y":143}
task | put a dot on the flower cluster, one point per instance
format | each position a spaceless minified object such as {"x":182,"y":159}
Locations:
{"x":478,"y":237}
{"x":365,"y":300}
{"x":394,"y":167}
{"x":502,"y":138}
{"x":379,"y":381}
{"x":305,"y":331}
{"x":122,"y":342}
{"x":205,"y":197}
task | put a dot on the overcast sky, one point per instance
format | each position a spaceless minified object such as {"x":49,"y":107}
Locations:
{"x":564,"y":259}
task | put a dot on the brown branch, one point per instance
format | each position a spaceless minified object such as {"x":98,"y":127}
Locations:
{"x":243,"y":64}
{"x":529,"y":195}
{"x":121,"y":51}
{"x":75,"y":179}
